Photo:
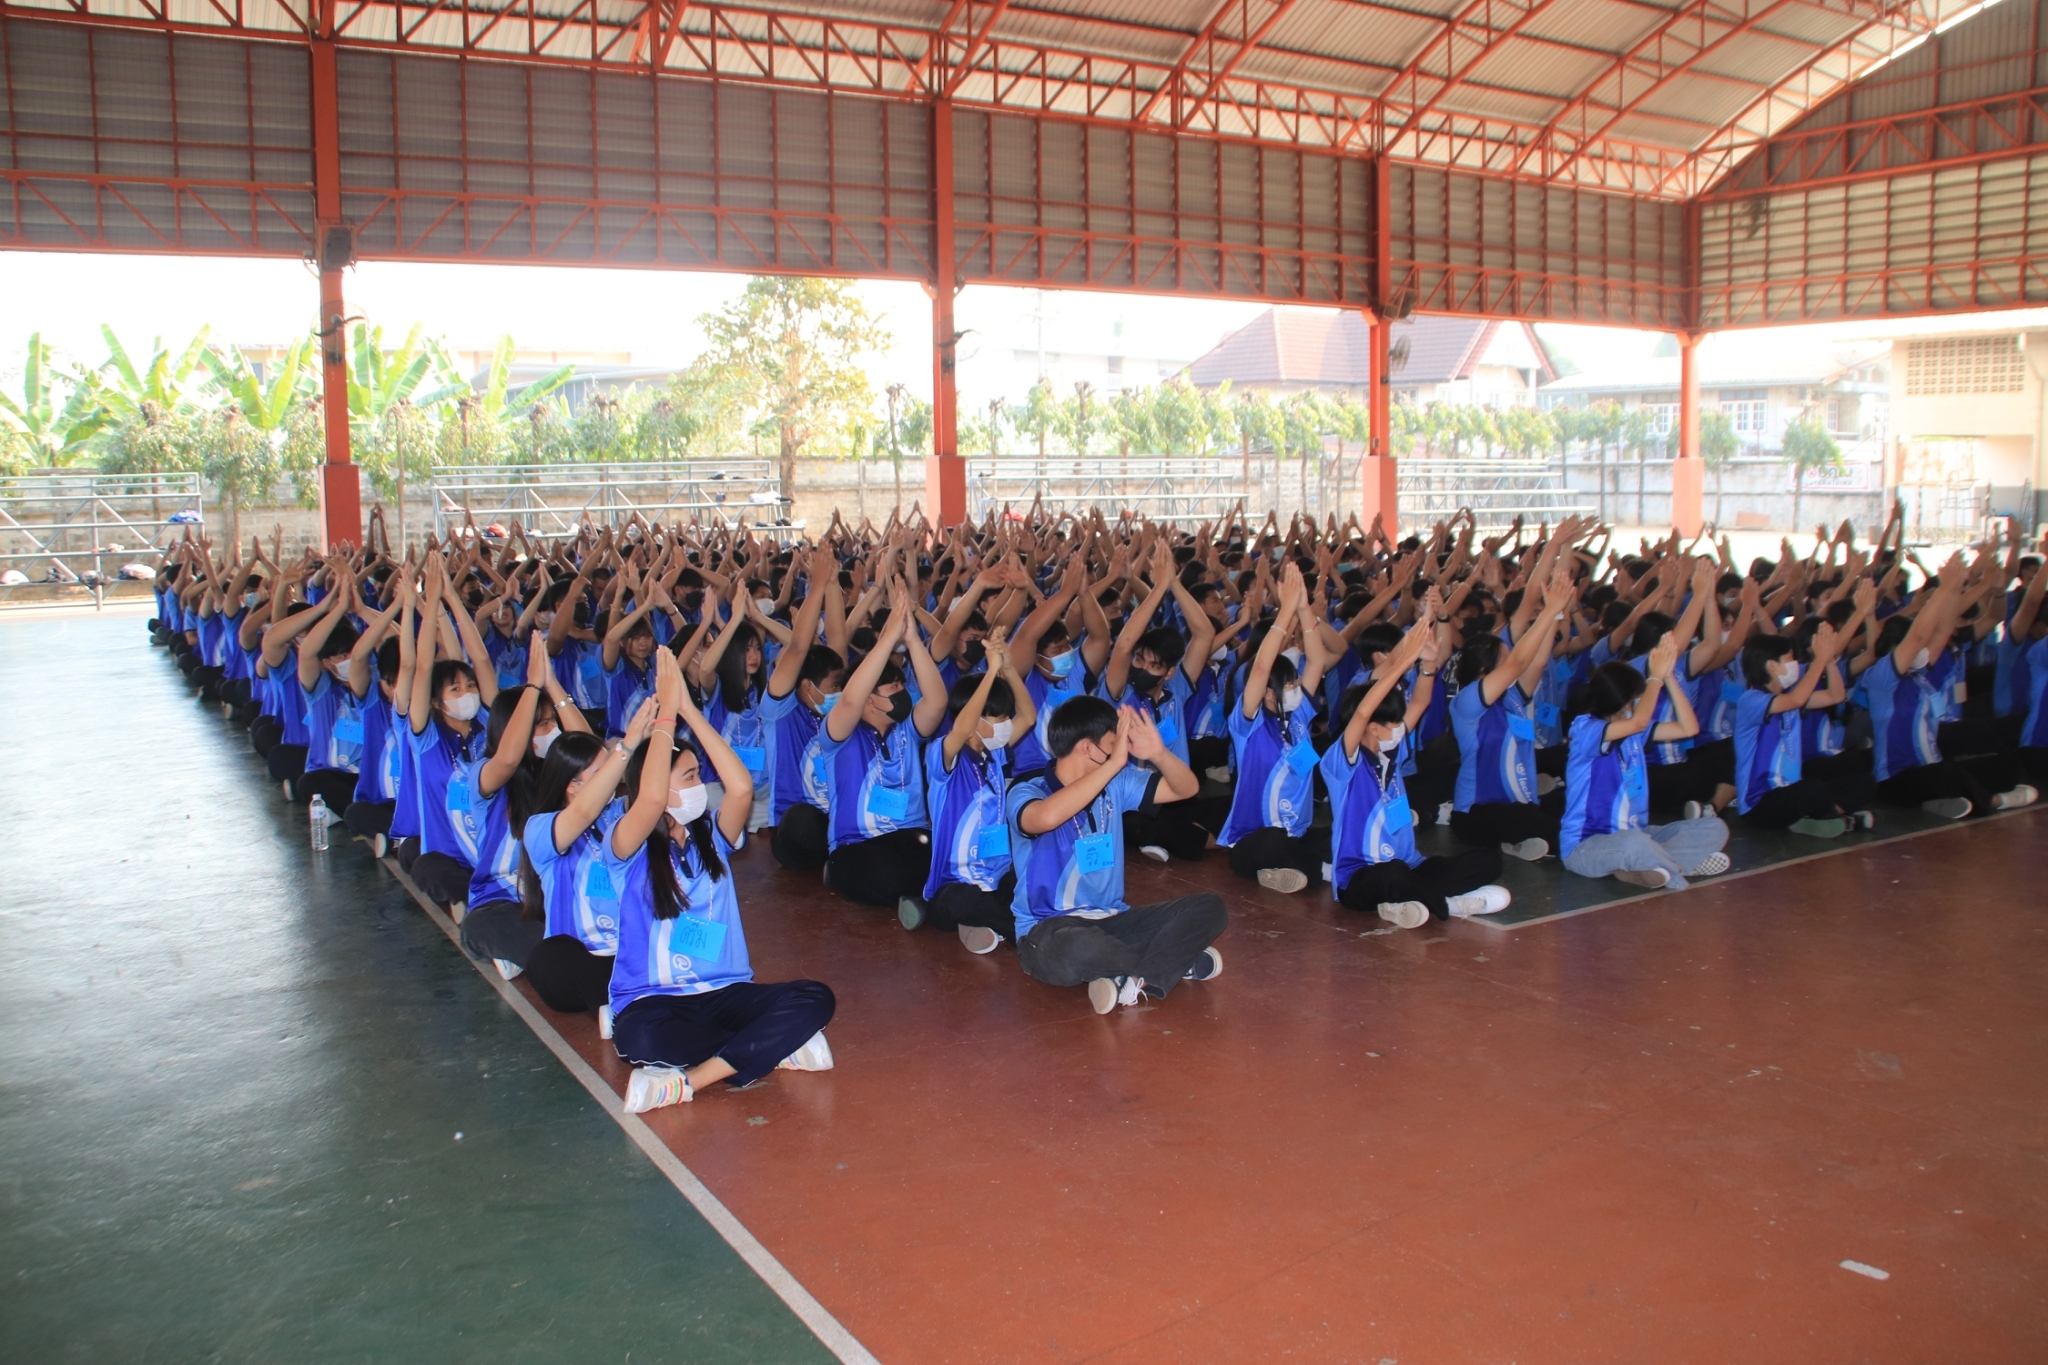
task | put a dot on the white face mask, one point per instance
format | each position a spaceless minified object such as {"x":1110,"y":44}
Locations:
{"x":1920,"y":661}
{"x":690,"y":803}
{"x":1002,"y":730}
{"x":465,"y":707}
{"x":1290,"y":700}
{"x":1786,"y":673}
{"x":342,"y":667}
{"x":1394,"y":738}
{"x":1221,"y":655}
{"x":765,"y":604}
{"x":544,"y":740}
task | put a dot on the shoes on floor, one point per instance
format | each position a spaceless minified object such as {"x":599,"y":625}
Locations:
{"x":656,"y":1087}
{"x":1288,"y":879}
{"x":978,"y":940}
{"x":1404,"y":914}
{"x":1528,"y":850}
{"x":815,"y":1055}
{"x":1832,"y":827}
{"x":1948,"y":807}
{"x":910,"y":912}
{"x":509,"y":969}
{"x":378,"y":844}
{"x":1655,"y":878}
{"x":1713,"y":865}
{"x":1217,"y":774}
{"x":604,"y":1021}
{"x":1862,"y":819}
{"x":2018,"y":797}
{"x":1155,"y":853}
{"x":1207,"y":967}
{"x":1484,"y":900}
{"x":1105,"y":993}
{"x":1692,"y":810}
{"x":1546,"y":784}
{"x":287,"y":785}
{"x":1443,"y":813}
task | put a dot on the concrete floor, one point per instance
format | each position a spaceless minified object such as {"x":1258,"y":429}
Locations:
{"x":1650,"y":1133}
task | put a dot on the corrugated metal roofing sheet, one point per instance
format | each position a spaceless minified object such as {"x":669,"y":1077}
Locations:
{"x":1538,"y":68}
{"x":1611,"y":25}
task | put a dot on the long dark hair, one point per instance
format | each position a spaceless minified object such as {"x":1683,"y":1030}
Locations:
{"x":735,"y":684}
{"x":670,"y":899}
{"x":548,"y":792}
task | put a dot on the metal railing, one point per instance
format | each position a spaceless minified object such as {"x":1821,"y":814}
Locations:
{"x":1158,"y":487}
{"x":72,"y":522}
{"x":557,"y":499}
{"x":1495,"y":492}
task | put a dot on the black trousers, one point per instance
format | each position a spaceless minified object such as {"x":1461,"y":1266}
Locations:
{"x":881,"y":870}
{"x":1271,"y":847}
{"x":2034,"y":760}
{"x":1378,"y":884}
{"x":1972,"y":738}
{"x":568,"y":977}
{"x":1210,"y":751}
{"x":1977,"y":780}
{"x":335,"y":786}
{"x":961,"y":903}
{"x":408,"y":851}
{"x":1491,"y":823}
{"x":1182,"y":828}
{"x":370,"y":818}
{"x":500,"y":929}
{"x":264,"y":731}
{"x":286,"y":761}
{"x":1811,"y":798}
{"x":443,"y":879}
{"x":801,"y":839}
{"x":1705,"y":768}
{"x":1850,"y":763}
{"x":1158,"y":942}
{"x":1429,"y":789}
{"x":750,"y":1024}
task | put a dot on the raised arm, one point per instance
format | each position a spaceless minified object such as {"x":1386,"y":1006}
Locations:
{"x":650,"y":803}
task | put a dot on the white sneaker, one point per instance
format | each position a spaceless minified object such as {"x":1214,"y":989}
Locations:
{"x":287,"y":785}
{"x":1529,"y":850}
{"x":656,"y":1087}
{"x":1546,"y":784}
{"x":1102,"y":992}
{"x":1655,"y":878}
{"x":1286,"y":879}
{"x":604,"y":1021}
{"x":458,"y":911}
{"x":1217,"y":774}
{"x":816,"y":1055}
{"x":978,"y":940}
{"x":378,"y":843}
{"x":1484,"y":900}
{"x":1155,"y":853}
{"x":1713,"y":865}
{"x":1443,"y":813}
{"x":1404,"y":914}
{"x":2022,"y":795}
{"x":512,"y":971}
{"x":1329,"y":872}
{"x":1948,"y":807}
{"x":1692,"y":810}
{"x":1130,"y":990}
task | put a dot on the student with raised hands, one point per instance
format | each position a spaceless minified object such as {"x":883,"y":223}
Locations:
{"x":972,"y":879}
{"x":443,"y":729}
{"x":1606,"y":829}
{"x":1073,"y":924}
{"x":732,"y":673}
{"x":327,"y":660}
{"x":1772,"y":790}
{"x":686,"y":1011}
{"x":1375,"y":866}
{"x":1495,"y":800}
{"x":627,"y":654}
{"x":792,"y":705}
{"x":1274,"y":755}
{"x":1049,"y":662}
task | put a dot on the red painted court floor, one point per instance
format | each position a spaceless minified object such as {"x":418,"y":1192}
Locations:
{"x":1651,"y":1133}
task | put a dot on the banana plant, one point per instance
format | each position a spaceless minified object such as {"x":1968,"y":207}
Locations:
{"x":164,"y":379}
{"x":40,"y":432}
{"x":265,"y":401}
{"x":504,"y":406}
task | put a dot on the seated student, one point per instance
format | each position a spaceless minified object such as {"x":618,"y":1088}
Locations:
{"x":2029,"y":625}
{"x":1053,"y":675}
{"x":375,"y":800}
{"x":1771,"y":788}
{"x":1155,"y":670}
{"x":1495,"y":801}
{"x":441,"y":718}
{"x":1273,"y":801}
{"x":1906,"y":706}
{"x":732,"y":673}
{"x":686,"y":1011}
{"x":795,"y":699}
{"x":334,"y":720}
{"x":1606,"y":828}
{"x":627,"y":655}
{"x":487,"y":806}
{"x":284,"y":746}
{"x":865,"y":768}
{"x":1067,"y":840}
{"x":972,"y":881}
{"x":1683,"y":775}
{"x":1374,"y":864}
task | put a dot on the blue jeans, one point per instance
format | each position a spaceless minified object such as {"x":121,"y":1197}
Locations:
{"x":1678,"y":848}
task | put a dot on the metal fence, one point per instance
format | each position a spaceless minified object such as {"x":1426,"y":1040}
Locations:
{"x":1495,"y":491}
{"x":73,"y":526}
{"x":557,"y":499}
{"x":1160,"y":488}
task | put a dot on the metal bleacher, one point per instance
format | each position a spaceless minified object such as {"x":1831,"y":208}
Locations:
{"x":1495,"y":491}
{"x":556,"y":499}
{"x":1157,"y":487}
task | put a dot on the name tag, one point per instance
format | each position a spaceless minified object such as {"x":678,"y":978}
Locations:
{"x":753,"y":756}
{"x":1398,"y":812}
{"x":1547,"y":715}
{"x":1302,"y":757}
{"x":890,"y":803}
{"x":992,"y":842}
{"x":697,"y":938}
{"x":597,"y":884}
{"x":1095,"y":852}
{"x":349,"y":729}
{"x":1521,"y":727}
{"x":1169,"y":729}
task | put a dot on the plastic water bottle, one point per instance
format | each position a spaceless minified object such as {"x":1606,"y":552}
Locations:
{"x":316,"y":814}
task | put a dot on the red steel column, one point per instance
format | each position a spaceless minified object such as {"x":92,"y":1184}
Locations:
{"x":1379,"y":492}
{"x":1688,"y":471}
{"x":340,"y":483}
{"x":945,"y":476}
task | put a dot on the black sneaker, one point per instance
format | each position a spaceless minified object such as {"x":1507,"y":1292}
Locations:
{"x":1207,"y":967}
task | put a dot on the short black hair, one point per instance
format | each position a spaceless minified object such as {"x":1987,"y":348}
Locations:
{"x":1078,"y":718}
{"x":1611,"y":688}
{"x":1000,"y":703}
{"x":1758,"y":654}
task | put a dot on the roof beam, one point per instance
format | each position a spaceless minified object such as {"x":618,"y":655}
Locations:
{"x":1232,"y":32}
{"x":1467,"y":39}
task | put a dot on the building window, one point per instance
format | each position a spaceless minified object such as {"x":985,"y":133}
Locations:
{"x":1953,"y":365}
{"x":1746,"y":415}
{"x":1664,"y":416}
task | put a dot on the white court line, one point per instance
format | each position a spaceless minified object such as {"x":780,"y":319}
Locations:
{"x":814,"y":1315}
{"x":1707,"y":883}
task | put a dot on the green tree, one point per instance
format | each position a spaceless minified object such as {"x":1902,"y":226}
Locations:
{"x":122,"y":386}
{"x":1808,"y":447}
{"x":1718,"y":445}
{"x":397,"y":445}
{"x":1079,"y":418}
{"x":1639,"y":433}
{"x":239,"y":461}
{"x":1130,"y":422}
{"x":41,"y":431}
{"x":151,"y":441}
{"x":664,"y":430}
{"x":1041,"y":413}
{"x":792,"y":350}
{"x":504,"y":406}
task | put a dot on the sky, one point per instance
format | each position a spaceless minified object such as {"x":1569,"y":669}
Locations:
{"x":652,"y":314}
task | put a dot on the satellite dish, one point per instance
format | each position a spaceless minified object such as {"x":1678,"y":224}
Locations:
{"x":1397,"y":356}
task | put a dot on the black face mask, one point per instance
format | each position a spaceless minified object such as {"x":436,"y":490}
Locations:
{"x":899,"y":707}
{"x":693,"y":601}
{"x":1146,"y":683}
{"x":974,"y":652}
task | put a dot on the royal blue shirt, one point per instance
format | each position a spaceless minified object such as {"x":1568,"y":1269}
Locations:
{"x":435,"y":751}
{"x":1078,"y":867}
{"x":867,"y":785}
{"x":787,"y":729}
{"x":1768,"y":748}
{"x":970,"y":829}
{"x":579,"y":888}
{"x":1275,"y":765}
{"x":1607,"y":786}
{"x":1905,"y":718}
{"x":1370,"y":819}
{"x":702,"y":949}
{"x":1496,"y":748}
{"x":334,"y":725}
{"x":380,"y":762}
{"x":482,"y":825}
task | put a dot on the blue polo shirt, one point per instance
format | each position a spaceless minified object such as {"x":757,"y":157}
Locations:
{"x":1607,"y":786}
{"x":1768,"y":748}
{"x":1077,"y":868}
{"x":1275,"y":763}
{"x":970,"y":829}
{"x":867,"y":785}
{"x":702,"y":949}
{"x":1370,"y":819}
